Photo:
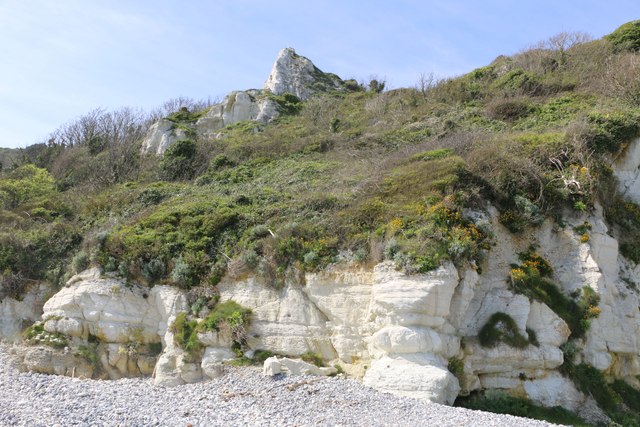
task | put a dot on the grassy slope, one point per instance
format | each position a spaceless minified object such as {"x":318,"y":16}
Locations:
{"x":372,"y":174}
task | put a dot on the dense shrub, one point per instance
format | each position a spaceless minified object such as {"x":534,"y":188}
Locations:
{"x":502,"y":403}
{"x":608,"y":131}
{"x":192,"y":234}
{"x":24,"y":184}
{"x":80,"y":262}
{"x":618,"y":400}
{"x":177,"y":162}
{"x":626,"y":37}
{"x":510,"y":109}
{"x":288,"y":103}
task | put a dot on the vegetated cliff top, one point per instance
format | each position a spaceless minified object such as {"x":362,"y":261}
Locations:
{"x":358,"y":174}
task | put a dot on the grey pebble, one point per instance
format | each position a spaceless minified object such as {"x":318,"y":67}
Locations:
{"x":243,"y":397}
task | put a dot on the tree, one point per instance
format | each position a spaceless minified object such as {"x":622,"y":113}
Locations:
{"x":376,"y":85}
{"x":564,"y":41}
{"x":426,"y":82}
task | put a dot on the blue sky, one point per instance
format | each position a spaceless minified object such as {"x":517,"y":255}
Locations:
{"x":62,"y":58}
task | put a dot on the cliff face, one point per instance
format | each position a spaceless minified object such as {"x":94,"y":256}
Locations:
{"x":291,"y":74}
{"x":402,"y":333}
{"x":295,"y":74}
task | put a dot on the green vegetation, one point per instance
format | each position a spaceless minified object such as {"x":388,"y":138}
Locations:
{"x":365,"y":175}
{"x":456,"y":367}
{"x":231,"y":315}
{"x":259,"y":356}
{"x":184,"y":115}
{"x":177,"y":162}
{"x":503,"y":403}
{"x":629,"y":395}
{"x":313,"y":358}
{"x":501,"y":328}
{"x":625,"y":215}
{"x":228,"y":316}
{"x":186,"y":333}
{"x":288,"y":103}
{"x":89,"y":353}
{"x":626,"y":37}
{"x":24,"y":184}
{"x":618,"y":400}
{"x":531,"y":278}
{"x":36,"y":335}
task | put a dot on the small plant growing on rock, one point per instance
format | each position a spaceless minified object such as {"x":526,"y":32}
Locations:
{"x":531,"y":278}
{"x":185,"y":333}
{"x":80,"y":262}
{"x":583,"y":231}
{"x":501,"y":328}
{"x":36,"y":335}
{"x":456,"y":367}
{"x":89,"y":353}
{"x":259,"y":356}
{"x":313,"y":358}
{"x":153,"y":270}
{"x":230,"y":314}
{"x":339,"y":369}
{"x":232,"y":317}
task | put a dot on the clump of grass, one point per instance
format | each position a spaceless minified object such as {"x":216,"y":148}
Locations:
{"x":618,"y":399}
{"x":228,"y":315}
{"x":36,"y":335}
{"x":185,"y":333}
{"x":313,"y":358}
{"x":501,"y":328}
{"x":259,"y":356}
{"x":456,"y":367}
{"x":89,"y":353}
{"x":502,"y":403}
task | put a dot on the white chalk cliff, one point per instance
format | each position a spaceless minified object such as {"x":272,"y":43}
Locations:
{"x":291,"y":73}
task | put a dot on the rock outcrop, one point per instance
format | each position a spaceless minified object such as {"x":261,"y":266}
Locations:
{"x":118,"y":328}
{"x":291,"y":73}
{"x":626,"y":169}
{"x":276,"y":365}
{"x":160,"y":136}
{"x":15,"y":315}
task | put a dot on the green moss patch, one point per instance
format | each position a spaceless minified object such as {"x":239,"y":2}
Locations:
{"x":501,"y":328}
